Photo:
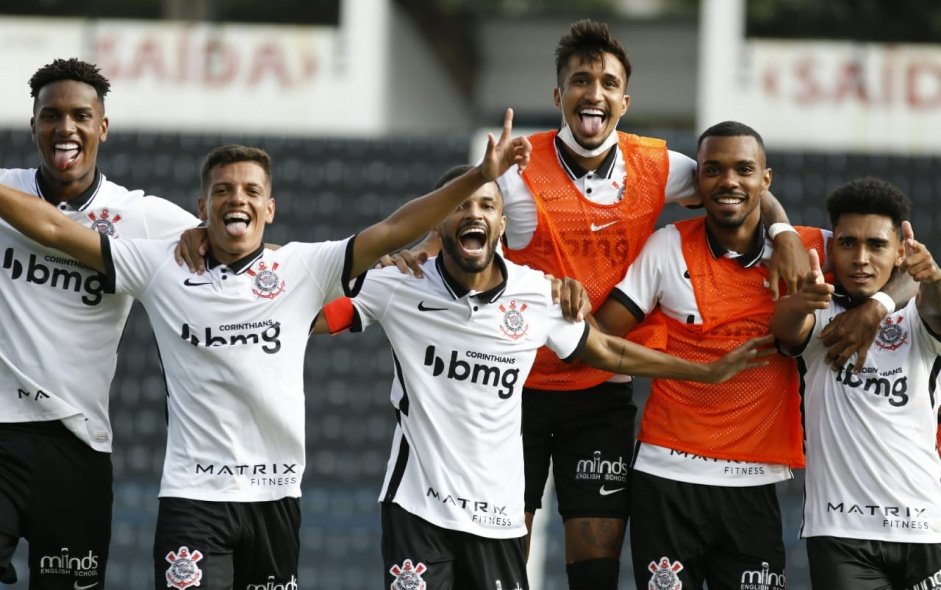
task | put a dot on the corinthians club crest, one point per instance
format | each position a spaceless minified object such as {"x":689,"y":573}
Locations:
{"x":267,"y":284}
{"x":103,"y":223}
{"x":664,"y":575}
{"x":183,"y":571}
{"x":891,"y":335}
{"x":514,"y":324}
{"x":408,"y":576}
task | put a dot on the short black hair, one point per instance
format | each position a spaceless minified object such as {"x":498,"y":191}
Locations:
{"x":69,"y":69}
{"x":589,"y":40}
{"x":730,"y":129}
{"x":869,"y":196}
{"x":231,"y":154}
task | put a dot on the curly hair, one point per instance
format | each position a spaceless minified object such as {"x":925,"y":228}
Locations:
{"x":589,"y":40}
{"x":869,"y":196}
{"x":69,"y":69}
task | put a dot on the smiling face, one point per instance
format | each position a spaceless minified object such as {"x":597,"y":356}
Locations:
{"x":731,"y":175}
{"x":67,"y":125}
{"x":593,"y":97}
{"x":864,"y":250}
{"x":237,"y":206}
{"x":469,"y":235}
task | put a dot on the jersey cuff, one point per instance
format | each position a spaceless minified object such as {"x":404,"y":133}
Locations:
{"x":109,"y":283}
{"x":351,"y":285}
{"x":628,"y":303}
{"x":578,"y":347}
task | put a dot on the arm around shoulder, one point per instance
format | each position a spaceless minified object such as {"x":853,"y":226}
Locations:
{"x":42,"y":222}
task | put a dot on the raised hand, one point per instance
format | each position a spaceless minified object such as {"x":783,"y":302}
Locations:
{"x":502,"y":154}
{"x":788,"y":264}
{"x":816,"y":292}
{"x":747,"y":356}
{"x":918,"y":261}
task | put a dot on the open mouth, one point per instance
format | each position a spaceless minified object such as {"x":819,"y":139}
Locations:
{"x":473,"y":240}
{"x":64,"y":154}
{"x":592,"y":120}
{"x":236,"y":224}
{"x":729,"y":199}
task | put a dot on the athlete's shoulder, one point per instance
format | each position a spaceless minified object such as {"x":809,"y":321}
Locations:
{"x":23,"y":179}
{"x":525,"y":281}
{"x":653,"y":142}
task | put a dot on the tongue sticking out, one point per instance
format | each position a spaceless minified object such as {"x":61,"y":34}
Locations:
{"x":591,"y":124}
{"x":236,"y":228}
{"x":64,"y":158}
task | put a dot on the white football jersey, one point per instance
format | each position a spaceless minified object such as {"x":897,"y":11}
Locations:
{"x":61,"y":330}
{"x":232,"y":345}
{"x":460,"y":363}
{"x":872,"y":468}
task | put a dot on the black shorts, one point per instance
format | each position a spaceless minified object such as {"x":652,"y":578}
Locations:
{"x":55,"y":491}
{"x":418,"y":554}
{"x":589,"y":435}
{"x":729,"y":537}
{"x":226,"y":545}
{"x":857,"y":564}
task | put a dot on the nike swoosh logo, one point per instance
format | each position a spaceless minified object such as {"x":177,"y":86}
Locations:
{"x":77,"y":587}
{"x":190,"y":283}
{"x":602,"y":226}
{"x":605,"y":492}
{"x":422,"y":307}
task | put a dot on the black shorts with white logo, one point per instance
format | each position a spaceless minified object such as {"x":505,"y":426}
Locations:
{"x":857,"y":564}
{"x":589,"y":436}
{"x":418,"y":554}
{"x":728,"y":537}
{"x":225,"y":545}
{"x":55,"y":491}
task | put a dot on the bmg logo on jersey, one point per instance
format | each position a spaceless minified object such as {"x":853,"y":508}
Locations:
{"x":485,"y":374}
{"x":63,"y":563}
{"x":895,"y":389}
{"x":49,"y":271}
{"x":269,"y":337}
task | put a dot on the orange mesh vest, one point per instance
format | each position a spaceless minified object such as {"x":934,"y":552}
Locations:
{"x":586,"y":241}
{"x":754,"y":416}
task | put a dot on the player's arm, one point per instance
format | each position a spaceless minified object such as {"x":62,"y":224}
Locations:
{"x":789,"y":261}
{"x":793,"y":317}
{"x":617,"y":355}
{"x":921,"y":266}
{"x":854,"y":330}
{"x":42,"y":222}
{"x":417,"y":217}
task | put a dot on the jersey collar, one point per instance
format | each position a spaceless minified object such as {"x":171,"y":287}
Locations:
{"x":79,"y":202}
{"x":841,"y":297}
{"x":240,"y":265}
{"x":457,"y":290}
{"x":574,"y":170}
{"x":747,"y":259}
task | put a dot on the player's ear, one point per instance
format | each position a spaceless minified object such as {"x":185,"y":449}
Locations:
{"x":269,"y":216}
{"x":557,"y":97}
{"x":201,"y":208}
